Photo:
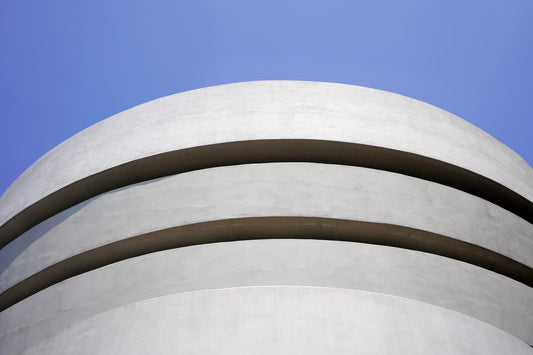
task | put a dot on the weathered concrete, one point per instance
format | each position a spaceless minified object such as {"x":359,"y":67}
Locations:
{"x":436,"y":280}
{"x":269,"y":110}
{"x":281,"y":320}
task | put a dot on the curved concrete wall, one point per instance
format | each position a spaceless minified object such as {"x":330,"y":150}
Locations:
{"x":265,"y":111}
{"x":264,"y":190}
{"x":435,"y":280}
{"x":281,"y":320}
{"x":146,"y":204}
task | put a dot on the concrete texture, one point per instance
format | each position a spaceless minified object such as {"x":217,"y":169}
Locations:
{"x":435,"y":280}
{"x":281,"y":320}
{"x":259,"y":190}
{"x":269,"y":110}
{"x":251,"y":238}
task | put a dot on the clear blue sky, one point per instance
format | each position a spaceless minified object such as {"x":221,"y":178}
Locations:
{"x":65,"y":65}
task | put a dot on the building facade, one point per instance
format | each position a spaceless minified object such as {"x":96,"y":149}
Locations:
{"x":275,"y":217}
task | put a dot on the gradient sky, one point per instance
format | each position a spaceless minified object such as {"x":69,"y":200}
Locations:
{"x":65,"y":65}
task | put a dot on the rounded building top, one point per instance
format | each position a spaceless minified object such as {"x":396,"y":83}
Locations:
{"x":268,"y":121}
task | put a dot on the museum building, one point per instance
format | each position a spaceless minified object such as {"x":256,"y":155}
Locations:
{"x":271,"y":217}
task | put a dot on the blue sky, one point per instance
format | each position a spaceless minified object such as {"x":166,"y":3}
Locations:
{"x":65,"y":65}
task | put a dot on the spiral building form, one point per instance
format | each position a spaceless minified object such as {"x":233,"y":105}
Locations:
{"x":274,"y":217}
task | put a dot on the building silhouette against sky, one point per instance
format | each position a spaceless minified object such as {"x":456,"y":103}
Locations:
{"x":275,"y":217}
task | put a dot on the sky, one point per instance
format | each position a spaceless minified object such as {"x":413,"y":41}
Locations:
{"x":65,"y":65}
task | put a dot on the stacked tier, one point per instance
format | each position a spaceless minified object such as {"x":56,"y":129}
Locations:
{"x":271,"y":217}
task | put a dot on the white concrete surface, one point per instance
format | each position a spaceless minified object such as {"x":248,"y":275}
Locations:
{"x":272,"y":296}
{"x":259,"y":190}
{"x":432,"y":279}
{"x":281,"y":320}
{"x":269,"y":110}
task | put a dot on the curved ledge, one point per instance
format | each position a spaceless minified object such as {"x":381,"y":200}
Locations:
{"x":264,"y":151}
{"x":441,"y":281}
{"x":282,"y":320}
{"x":264,"y":190}
{"x":265,"y":110}
{"x":267,"y":228}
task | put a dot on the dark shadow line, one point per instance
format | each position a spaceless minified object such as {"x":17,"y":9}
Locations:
{"x":265,"y":151}
{"x":267,"y":228}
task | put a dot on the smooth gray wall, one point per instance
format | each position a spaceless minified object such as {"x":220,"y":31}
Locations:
{"x":269,"y":110}
{"x":281,"y":320}
{"x":287,"y":294}
{"x":262,"y":190}
{"x":432,"y":279}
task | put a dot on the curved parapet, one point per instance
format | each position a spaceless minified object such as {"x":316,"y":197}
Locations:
{"x":439,"y":281}
{"x":255,"y":320}
{"x":268,"y":121}
{"x":345,"y":196}
{"x":347,"y":201}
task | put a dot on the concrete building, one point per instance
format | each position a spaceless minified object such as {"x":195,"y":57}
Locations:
{"x":273,"y":217}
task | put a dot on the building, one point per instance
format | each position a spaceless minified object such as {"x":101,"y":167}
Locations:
{"x":275,"y":217}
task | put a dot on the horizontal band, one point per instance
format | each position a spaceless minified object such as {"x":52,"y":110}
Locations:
{"x":267,"y":228}
{"x":264,"y":190}
{"x":264,"y":151}
{"x":266,"y":111}
{"x":420,"y":276}
{"x":274,"y":320}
